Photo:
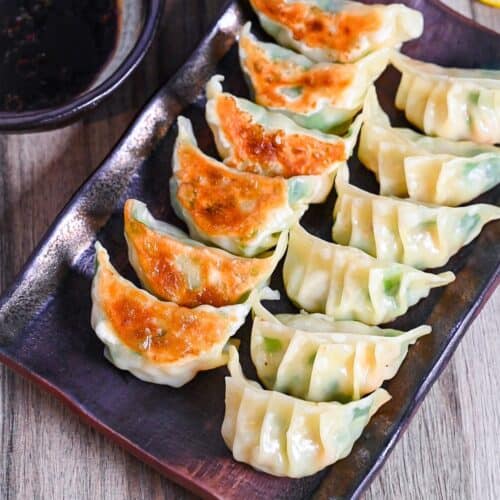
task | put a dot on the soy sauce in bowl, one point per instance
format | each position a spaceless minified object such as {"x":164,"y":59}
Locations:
{"x":52,"y":50}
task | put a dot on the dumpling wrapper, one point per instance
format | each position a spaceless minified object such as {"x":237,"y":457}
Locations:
{"x":397,"y":230}
{"x":286,"y":436}
{"x":313,"y":357}
{"x":337,"y":30}
{"x":241,"y":212}
{"x":157,"y":341}
{"x":347,"y":284}
{"x":178,"y":269}
{"x":428,"y":169}
{"x":252,"y":139}
{"x":457,"y":104}
{"x":322,"y":96}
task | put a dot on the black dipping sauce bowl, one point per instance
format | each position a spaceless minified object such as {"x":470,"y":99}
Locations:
{"x":136,"y":22}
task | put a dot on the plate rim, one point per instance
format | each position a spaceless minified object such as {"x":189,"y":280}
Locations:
{"x":165,"y":91}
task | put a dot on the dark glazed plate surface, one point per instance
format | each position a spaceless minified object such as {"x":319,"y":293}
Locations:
{"x":45,"y":332}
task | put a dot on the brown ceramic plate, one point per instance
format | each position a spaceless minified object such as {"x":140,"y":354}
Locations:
{"x":45,"y":331}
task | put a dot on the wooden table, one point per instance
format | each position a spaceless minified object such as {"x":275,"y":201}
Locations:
{"x":450,"y":450}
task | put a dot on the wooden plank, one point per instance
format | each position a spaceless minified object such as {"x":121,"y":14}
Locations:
{"x":462,"y":6}
{"x":450,"y":450}
{"x":486,"y":15}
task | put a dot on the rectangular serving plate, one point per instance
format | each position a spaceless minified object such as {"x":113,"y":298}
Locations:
{"x":45,"y":332}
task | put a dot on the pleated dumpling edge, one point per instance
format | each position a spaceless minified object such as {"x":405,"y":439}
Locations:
{"x":453,"y":103}
{"x":402,"y":230}
{"x":286,"y":436}
{"x":348,"y":284}
{"x":426,"y":169}
{"x":313,"y":357}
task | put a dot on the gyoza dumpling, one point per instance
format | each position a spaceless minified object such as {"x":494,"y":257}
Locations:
{"x":428,"y":169}
{"x":176,"y":268}
{"x":335,"y":30}
{"x":348,"y":284}
{"x":313,"y":357}
{"x":320,"y":96}
{"x":156,"y":341}
{"x":392,"y":229}
{"x":458,"y":104}
{"x":239,"y":211}
{"x":252,"y":139}
{"x":286,"y":436}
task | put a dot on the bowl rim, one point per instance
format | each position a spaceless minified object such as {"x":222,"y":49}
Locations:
{"x":52,"y":116}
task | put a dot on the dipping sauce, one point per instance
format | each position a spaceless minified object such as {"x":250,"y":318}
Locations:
{"x":52,"y":50}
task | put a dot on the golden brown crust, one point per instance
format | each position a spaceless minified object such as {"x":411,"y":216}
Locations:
{"x":159,"y":331}
{"x":222,"y":202}
{"x":270,"y":78}
{"x":272,"y":152}
{"x":222,"y":279}
{"x":339,"y":31}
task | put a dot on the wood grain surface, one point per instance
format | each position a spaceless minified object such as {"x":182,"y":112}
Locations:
{"x":450,"y":450}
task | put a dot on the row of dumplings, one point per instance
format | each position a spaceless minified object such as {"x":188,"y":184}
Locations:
{"x":320,"y":92}
{"x":322,"y":369}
